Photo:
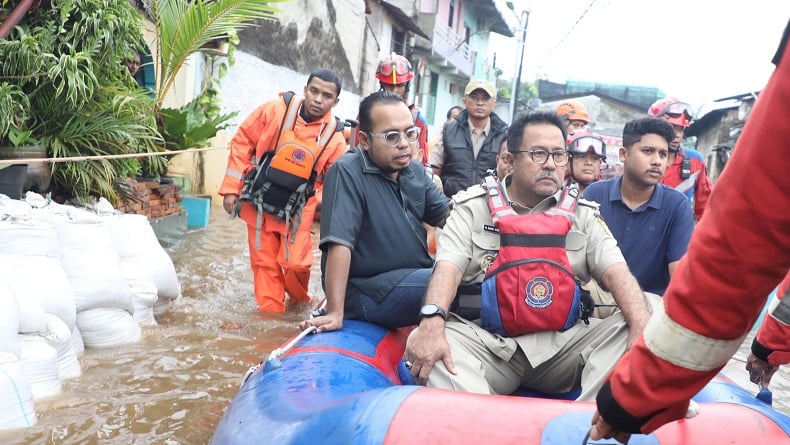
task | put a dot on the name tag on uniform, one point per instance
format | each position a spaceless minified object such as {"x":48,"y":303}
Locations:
{"x":492,"y":229}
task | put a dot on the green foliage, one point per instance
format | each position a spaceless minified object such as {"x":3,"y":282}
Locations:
{"x":62,"y":68}
{"x":183,"y":27}
{"x":195,"y":123}
{"x":63,"y":83}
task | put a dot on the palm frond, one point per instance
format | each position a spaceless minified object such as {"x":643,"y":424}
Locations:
{"x":184,"y":27}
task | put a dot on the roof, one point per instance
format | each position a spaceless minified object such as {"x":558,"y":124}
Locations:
{"x":505,"y":19}
{"x":712,"y":112}
{"x":399,"y":16}
{"x":639,"y":97}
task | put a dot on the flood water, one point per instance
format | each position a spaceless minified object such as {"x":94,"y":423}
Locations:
{"x":174,"y":385}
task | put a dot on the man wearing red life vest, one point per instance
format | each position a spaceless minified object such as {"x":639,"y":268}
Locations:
{"x":737,"y":255}
{"x":281,"y":260}
{"x":686,"y":171}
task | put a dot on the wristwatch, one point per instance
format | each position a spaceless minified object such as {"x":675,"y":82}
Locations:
{"x":430,"y":310}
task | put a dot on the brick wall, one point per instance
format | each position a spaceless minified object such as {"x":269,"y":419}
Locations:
{"x":151,"y":198}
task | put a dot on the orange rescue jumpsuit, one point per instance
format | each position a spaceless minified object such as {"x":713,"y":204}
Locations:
{"x":273,"y":274}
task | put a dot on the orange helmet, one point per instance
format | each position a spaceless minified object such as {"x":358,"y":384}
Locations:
{"x":394,"y":69}
{"x":573,"y":110}
{"x":585,"y":141}
{"x":672,"y":110}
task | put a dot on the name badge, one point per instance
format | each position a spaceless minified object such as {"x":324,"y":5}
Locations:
{"x":492,"y":229}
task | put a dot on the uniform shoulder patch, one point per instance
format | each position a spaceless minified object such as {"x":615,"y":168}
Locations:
{"x":592,"y":204}
{"x":472,"y":192}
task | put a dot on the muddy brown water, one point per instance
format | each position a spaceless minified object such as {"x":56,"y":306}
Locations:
{"x":174,"y":385}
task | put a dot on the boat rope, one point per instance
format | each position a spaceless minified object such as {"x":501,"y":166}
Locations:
{"x":103,"y":157}
{"x":280,"y":351}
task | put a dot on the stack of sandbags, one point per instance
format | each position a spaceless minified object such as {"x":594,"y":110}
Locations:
{"x":145,"y":265}
{"x":102,"y":295}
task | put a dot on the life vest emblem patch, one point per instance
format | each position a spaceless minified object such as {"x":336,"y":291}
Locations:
{"x":539,"y":292}
{"x":299,"y":155}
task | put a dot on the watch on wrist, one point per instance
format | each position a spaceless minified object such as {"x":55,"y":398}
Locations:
{"x":430,"y":310}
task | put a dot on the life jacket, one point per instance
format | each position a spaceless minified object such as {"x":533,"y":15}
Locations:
{"x":530,"y":286}
{"x":283,"y":180}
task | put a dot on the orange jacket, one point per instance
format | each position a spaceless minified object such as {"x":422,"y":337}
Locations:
{"x":738,"y":253}
{"x":257,"y":135}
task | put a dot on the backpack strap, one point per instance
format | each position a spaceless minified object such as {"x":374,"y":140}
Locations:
{"x":497,"y":202}
{"x":289,"y":111}
{"x":566,"y":206}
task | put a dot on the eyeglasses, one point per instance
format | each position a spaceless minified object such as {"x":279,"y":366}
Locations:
{"x":540,"y":157}
{"x":676,"y":109}
{"x":392,"y":138}
{"x":588,"y":144}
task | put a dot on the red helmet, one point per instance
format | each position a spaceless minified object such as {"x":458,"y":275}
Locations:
{"x":672,"y":110}
{"x":585,"y":141}
{"x":573,"y":110}
{"x":394,"y":69}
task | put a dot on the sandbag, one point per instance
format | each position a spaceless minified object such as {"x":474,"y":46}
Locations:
{"x":58,"y":336}
{"x":32,"y":265}
{"x":9,"y":318}
{"x":107,"y":327}
{"x":16,"y":398}
{"x":91,"y":262}
{"x":40,"y":365}
{"x":142,"y":257}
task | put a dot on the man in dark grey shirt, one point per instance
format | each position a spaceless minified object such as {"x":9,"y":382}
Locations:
{"x":375,"y":261}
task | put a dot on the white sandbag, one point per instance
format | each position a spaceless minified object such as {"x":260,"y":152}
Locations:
{"x":142,"y":257}
{"x":16,"y":398}
{"x":14,"y":209}
{"x":40,"y":365}
{"x":59,"y":337}
{"x":143,"y":297}
{"x":107,"y":327}
{"x":9,"y":318}
{"x":76,"y":341}
{"x":91,"y":262}
{"x":34,"y":269}
{"x":30,"y":314}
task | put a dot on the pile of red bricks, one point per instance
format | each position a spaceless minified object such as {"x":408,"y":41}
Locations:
{"x":151,"y":198}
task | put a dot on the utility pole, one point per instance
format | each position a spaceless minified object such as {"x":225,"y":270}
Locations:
{"x":517,"y":83}
{"x":522,"y":21}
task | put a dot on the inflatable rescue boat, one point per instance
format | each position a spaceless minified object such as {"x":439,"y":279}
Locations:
{"x":351,"y":387}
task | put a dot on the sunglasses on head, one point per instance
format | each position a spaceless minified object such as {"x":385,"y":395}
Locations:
{"x":676,"y":110}
{"x":399,"y":67}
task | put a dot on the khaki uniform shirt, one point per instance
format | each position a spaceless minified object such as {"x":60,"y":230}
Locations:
{"x":436,"y":158}
{"x":470,"y":242}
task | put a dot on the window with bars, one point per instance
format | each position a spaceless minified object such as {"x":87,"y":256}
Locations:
{"x":398,"y":42}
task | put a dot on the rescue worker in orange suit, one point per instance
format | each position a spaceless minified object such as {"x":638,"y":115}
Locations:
{"x":395,"y":73}
{"x":737,"y":255}
{"x":686,"y":171}
{"x":281,"y":259}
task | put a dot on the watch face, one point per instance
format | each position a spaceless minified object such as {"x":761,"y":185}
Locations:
{"x":429,"y":309}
